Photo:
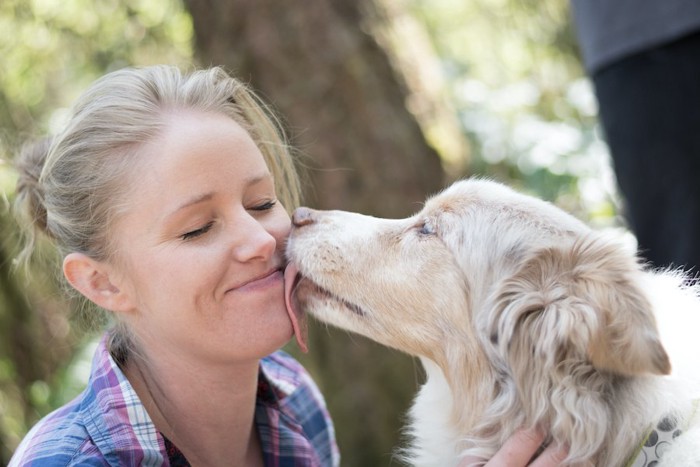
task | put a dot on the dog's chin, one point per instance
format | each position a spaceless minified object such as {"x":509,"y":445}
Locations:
{"x":327,"y":306}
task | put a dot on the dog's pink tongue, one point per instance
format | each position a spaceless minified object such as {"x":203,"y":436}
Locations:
{"x":296,"y":316}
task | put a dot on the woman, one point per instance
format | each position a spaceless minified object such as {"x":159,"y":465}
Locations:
{"x":166,"y":196}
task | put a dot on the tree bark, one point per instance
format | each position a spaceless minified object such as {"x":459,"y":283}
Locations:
{"x":343,"y":103}
{"x":344,"y":106}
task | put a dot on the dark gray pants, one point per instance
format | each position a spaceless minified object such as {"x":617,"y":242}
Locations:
{"x":650,"y":111}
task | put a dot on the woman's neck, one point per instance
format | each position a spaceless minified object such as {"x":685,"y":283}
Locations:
{"x":207,"y":413}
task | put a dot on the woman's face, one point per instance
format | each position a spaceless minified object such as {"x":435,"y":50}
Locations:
{"x":200,"y":249}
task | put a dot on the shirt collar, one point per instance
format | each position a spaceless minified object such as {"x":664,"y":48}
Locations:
{"x":116,"y":419}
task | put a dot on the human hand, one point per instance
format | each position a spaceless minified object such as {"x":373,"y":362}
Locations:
{"x":518,"y":451}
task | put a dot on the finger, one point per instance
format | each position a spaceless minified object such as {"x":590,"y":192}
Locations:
{"x":470,"y":461}
{"x":553,"y":456}
{"x":518,"y":449}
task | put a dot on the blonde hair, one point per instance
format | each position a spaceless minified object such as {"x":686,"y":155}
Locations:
{"x":72,"y":185}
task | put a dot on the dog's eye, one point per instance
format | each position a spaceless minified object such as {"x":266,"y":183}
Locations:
{"x":426,"y":228}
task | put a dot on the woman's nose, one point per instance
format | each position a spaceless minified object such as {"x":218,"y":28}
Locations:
{"x":255,"y":241}
{"x":303,"y":216}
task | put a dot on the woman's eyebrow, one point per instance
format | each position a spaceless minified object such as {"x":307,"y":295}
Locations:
{"x":191,"y":202}
{"x":250,"y":181}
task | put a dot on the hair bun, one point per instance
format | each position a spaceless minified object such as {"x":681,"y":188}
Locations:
{"x":29,"y":193}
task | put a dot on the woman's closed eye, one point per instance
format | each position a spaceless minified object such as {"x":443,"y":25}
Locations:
{"x":266,"y":206}
{"x":191,"y":235}
{"x":197,"y":232}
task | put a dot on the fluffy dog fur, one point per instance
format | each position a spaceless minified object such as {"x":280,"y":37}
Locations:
{"x":521,"y":315}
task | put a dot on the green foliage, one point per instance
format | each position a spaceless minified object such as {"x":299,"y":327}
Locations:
{"x":514,"y":75}
{"x":52,"y":49}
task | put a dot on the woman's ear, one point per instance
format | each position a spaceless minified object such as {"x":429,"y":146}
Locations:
{"x":95,"y":281}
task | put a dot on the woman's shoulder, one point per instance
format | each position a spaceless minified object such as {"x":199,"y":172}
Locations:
{"x":58,"y":439}
{"x":95,"y":428}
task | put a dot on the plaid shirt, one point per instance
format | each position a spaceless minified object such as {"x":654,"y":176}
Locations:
{"x":108,"y":425}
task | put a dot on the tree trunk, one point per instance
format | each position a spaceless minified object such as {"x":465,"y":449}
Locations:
{"x":337,"y":91}
{"x":344,"y":106}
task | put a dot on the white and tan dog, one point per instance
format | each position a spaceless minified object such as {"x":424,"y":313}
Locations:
{"x":522,"y":317}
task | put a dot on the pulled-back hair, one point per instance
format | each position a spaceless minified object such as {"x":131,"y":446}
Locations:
{"x":73,"y":185}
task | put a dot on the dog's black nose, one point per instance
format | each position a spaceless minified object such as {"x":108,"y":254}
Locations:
{"x":303,"y":216}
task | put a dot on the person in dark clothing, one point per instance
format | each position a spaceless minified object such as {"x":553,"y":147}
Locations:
{"x":643,"y":57}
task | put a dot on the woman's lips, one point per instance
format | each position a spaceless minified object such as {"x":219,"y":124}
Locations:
{"x":271,"y":277}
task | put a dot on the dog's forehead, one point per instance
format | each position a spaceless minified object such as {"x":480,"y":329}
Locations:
{"x":503,"y":203}
{"x":465,"y":193}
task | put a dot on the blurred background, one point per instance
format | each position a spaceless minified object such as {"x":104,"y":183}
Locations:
{"x":387,"y":101}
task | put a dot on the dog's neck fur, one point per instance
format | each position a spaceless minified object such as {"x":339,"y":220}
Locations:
{"x":433,"y":418}
{"x":444,"y":433}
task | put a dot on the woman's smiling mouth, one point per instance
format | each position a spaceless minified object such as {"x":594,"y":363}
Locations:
{"x":273,"y":277}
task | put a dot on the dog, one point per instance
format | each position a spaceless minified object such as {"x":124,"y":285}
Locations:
{"x":522,"y":316}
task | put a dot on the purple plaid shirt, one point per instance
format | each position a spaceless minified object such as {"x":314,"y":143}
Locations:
{"x":108,"y":425}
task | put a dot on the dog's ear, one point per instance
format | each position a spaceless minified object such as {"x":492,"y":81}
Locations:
{"x":580,"y":302}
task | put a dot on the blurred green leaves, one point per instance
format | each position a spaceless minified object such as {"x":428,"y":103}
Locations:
{"x":515,"y":79}
{"x":51,"y":49}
